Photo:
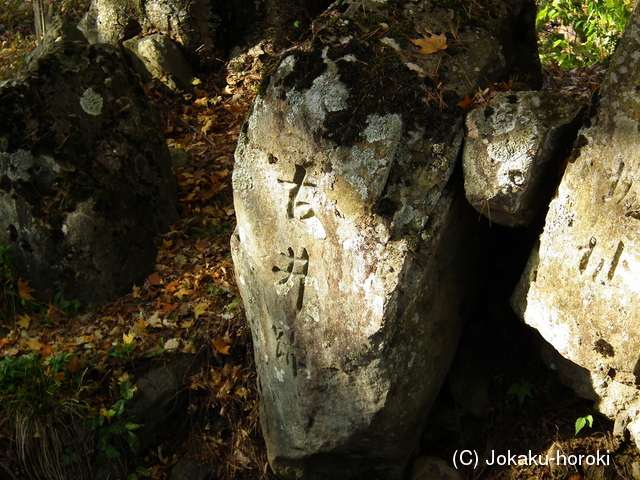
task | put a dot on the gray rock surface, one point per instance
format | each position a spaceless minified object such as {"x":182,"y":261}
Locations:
{"x":581,"y":290}
{"x":189,"y":23}
{"x":512,"y":151}
{"x":85,"y":178}
{"x":433,"y":468}
{"x":351,"y":247}
{"x":158,"y":56}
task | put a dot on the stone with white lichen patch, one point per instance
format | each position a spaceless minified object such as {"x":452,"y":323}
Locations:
{"x":78,"y":130}
{"x":91,"y":102}
{"x":512,"y":151}
{"x":350,"y":234}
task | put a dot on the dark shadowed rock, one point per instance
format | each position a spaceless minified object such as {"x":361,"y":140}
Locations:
{"x":352,"y":247}
{"x":85,"y":179}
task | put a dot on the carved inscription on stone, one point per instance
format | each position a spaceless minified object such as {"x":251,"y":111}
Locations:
{"x":587,"y":250}
{"x":291,"y":270}
{"x":297,"y":207}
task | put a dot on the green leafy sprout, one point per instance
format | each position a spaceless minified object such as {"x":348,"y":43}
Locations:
{"x":581,"y":422}
{"x":521,"y":391}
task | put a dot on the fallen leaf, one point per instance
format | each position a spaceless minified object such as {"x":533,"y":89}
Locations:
{"x":166,"y":247}
{"x":141,"y":327}
{"x":465,"y":104}
{"x":45,"y":350}
{"x":24,"y":290}
{"x":172,"y":287}
{"x":155,"y":279}
{"x":221,"y":346}
{"x":210,"y":122}
{"x":154,"y":320}
{"x":431,"y":44}
{"x":202,"y":244}
{"x":186,"y":324}
{"x":128,"y":338}
{"x":12,"y":352}
{"x":184,"y":291}
{"x":200,"y":308}
{"x":172,"y":344}
{"x":189,"y":347}
{"x":54,"y":314}
{"x":34,"y":344}
{"x":74,"y":364}
{"x":24,"y":321}
{"x":167,"y":307}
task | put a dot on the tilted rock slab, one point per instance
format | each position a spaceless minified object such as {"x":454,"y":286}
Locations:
{"x":581,"y":290}
{"x":512,"y":153}
{"x":350,"y":249}
{"x":85,"y":177}
{"x":158,"y":56}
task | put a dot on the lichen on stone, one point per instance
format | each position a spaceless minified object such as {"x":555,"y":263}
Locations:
{"x":241,"y":179}
{"x":387,"y":127}
{"x":91,"y":102}
{"x":18,"y":163}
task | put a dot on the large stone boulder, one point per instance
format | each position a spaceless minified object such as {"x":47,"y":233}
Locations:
{"x":350,"y":251}
{"x":581,"y":290}
{"x":513,"y":151}
{"x":85,"y":178}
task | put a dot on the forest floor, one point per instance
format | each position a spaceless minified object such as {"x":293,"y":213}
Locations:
{"x":189,"y":304}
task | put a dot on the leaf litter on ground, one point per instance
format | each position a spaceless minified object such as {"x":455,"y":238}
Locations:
{"x":188,"y":305}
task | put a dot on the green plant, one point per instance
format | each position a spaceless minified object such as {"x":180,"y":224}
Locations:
{"x":112,"y":427}
{"x":577,"y":33}
{"x":521,"y":390}
{"x":582,"y":421}
{"x":123,"y":350}
{"x":32,"y":383}
{"x":43,"y":410}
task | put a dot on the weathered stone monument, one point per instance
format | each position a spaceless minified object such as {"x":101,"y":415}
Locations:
{"x":581,"y":290}
{"x":351,"y":249}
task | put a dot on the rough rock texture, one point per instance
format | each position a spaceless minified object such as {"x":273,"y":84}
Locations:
{"x":512,"y":152}
{"x":85,"y":179}
{"x":581,"y":290}
{"x":158,"y":56}
{"x":350,"y":249}
{"x":189,"y":23}
{"x":433,"y":468}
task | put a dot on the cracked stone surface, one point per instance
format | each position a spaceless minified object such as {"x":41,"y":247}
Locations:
{"x":581,"y":289}
{"x":352,"y":248}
